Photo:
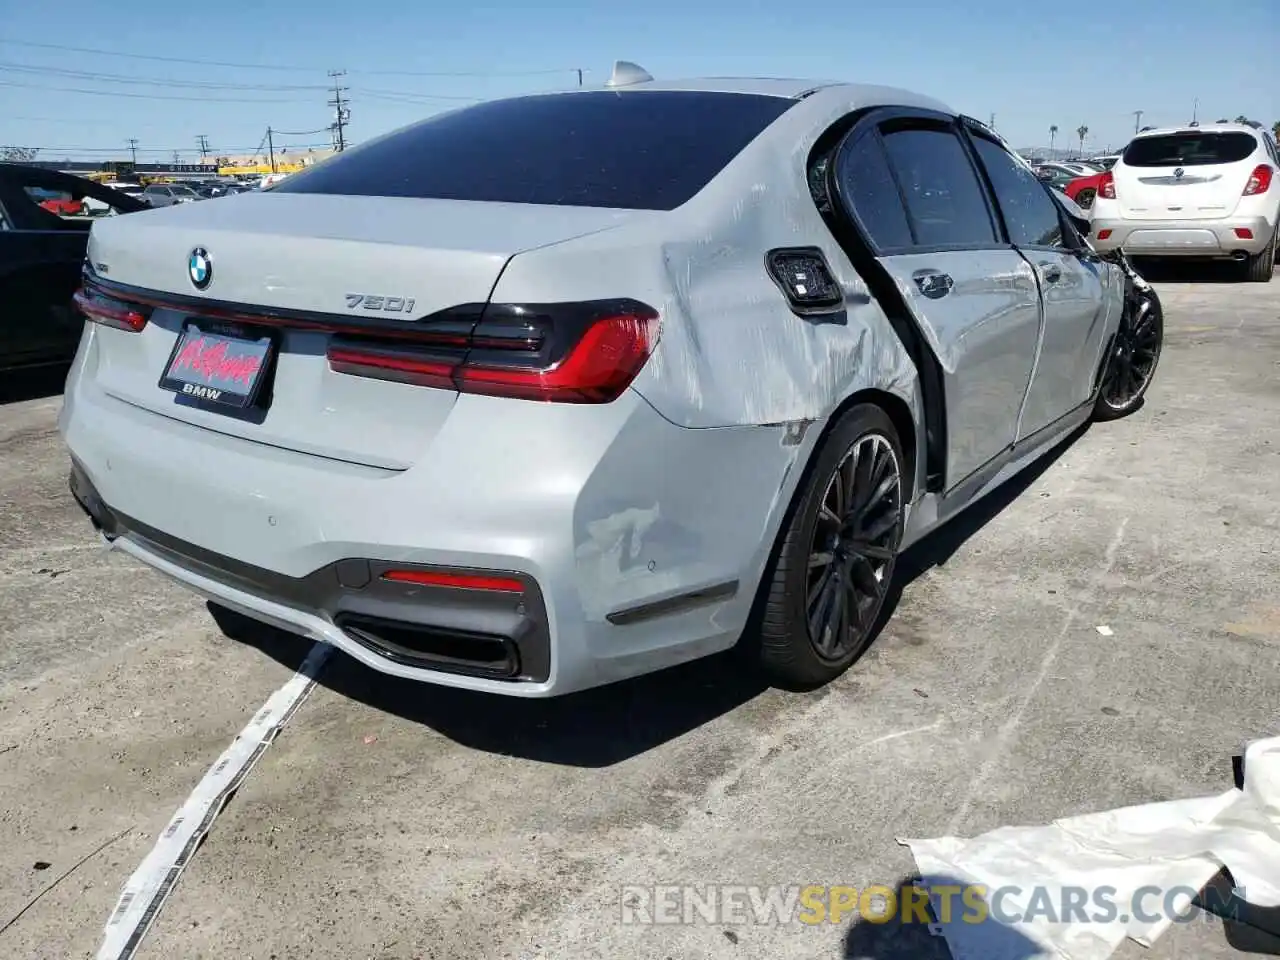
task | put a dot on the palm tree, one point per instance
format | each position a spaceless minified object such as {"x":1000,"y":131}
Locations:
{"x":1082,"y":131}
{"x":1053,"y":135}
{"x":1275,"y":129}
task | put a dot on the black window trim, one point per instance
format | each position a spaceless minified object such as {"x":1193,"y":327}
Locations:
{"x":912,"y":118}
{"x":1071,"y":241}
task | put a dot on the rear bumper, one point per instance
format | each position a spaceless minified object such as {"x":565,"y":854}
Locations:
{"x":396,"y":626}
{"x":1182,"y":238}
{"x":638,"y":542}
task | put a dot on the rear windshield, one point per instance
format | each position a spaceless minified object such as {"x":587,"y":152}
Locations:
{"x":638,"y":150}
{"x":1189,"y":149}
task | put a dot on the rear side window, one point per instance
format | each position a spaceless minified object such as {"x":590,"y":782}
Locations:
{"x":1189,"y":149}
{"x":866,"y":184}
{"x":1030,"y":214}
{"x":639,"y":150}
{"x":943,"y":196}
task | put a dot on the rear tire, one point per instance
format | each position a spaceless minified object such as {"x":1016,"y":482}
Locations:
{"x":824,"y":591}
{"x":1259,"y":268}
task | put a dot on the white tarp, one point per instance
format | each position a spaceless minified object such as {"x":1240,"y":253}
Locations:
{"x":1137,"y":866}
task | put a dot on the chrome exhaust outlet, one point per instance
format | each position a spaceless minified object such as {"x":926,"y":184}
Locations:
{"x":1239,"y":256}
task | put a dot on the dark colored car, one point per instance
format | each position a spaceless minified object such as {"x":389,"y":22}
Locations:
{"x":41,"y":255}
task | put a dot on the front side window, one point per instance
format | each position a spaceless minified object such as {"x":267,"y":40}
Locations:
{"x":1030,"y":214}
{"x":640,"y":150}
{"x":943,"y":196}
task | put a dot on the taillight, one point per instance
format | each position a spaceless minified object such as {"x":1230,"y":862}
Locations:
{"x":109,"y":311}
{"x":1259,"y":180}
{"x":566,"y":353}
{"x":1107,"y":186}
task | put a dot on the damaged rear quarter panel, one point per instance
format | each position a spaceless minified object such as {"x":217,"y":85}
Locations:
{"x":745,"y":383}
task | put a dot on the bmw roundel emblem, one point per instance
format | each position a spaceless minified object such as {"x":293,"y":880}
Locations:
{"x":200,"y":268}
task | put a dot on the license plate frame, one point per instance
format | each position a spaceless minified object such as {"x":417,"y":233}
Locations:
{"x":243,"y":359}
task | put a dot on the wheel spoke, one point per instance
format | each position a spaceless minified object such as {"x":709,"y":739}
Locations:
{"x":864,"y":576}
{"x":882,"y":526}
{"x":816,"y":588}
{"x":820,"y":560}
{"x":830,"y":607}
{"x":875,"y":552}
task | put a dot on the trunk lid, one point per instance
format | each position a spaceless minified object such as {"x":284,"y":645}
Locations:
{"x":307,"y":263}
{"x":1184,"y":176}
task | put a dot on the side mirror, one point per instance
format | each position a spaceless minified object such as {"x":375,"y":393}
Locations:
{"x":1083,"y":226}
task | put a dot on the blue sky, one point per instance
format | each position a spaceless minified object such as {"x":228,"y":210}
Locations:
{"x":1029,"y":62}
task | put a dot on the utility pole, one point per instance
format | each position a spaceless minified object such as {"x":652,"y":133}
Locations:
{"x":1195,"y":112}
{"x":133,"y":149}
{"x":992,"y":122}
{"x":271,"y":150}
{"x":1137,"y":119}
{"x":176,"y":158}
{"x":204,"y":146}
{"x":341,"y":114}
{"x":579,"y":76}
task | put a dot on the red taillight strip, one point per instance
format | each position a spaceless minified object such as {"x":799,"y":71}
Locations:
{"x":1107,"y":186}
{"x":464,"y":581}
{"x":108,"y":311}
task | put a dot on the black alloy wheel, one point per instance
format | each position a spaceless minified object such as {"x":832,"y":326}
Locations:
{"x":835,"y":564}
{"x":1135,"y":353}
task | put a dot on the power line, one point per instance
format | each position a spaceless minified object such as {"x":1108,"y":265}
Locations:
{"x":99,"y":77}
{"x":140,"y":96}
{"x":395,"y":96}
{"x":277,"y":66}
{"x":406,"y":94}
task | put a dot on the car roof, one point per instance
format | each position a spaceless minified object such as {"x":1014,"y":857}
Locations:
{"x":852,"y":95}
{"x":1200,"y":128}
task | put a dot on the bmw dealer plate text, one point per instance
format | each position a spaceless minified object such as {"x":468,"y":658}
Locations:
{"x":217,"y":367}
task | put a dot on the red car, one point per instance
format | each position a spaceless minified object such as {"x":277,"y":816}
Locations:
{"x":1084,"y":189}
{"x":63,"y":204}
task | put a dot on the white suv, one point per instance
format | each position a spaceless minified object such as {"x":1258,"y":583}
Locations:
{"x":1194,"y":192}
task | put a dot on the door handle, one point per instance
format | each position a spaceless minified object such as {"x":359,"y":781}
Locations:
{"x":933,"y":284}
{"x":1052,"y":272}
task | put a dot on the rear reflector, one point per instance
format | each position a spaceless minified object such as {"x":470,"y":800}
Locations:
{"x":1103,"y":234}
{"x":1107,"y":186}
{"x":1259,"y":180}
{"x":1244,"y":233}
{"x":575,"y":360}
{"x":463,"y":581}
{"x":110,"y":312}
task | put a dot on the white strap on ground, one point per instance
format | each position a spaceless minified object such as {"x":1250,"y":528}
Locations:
{"x":142,"y":897}
{"x":1160,"y":847}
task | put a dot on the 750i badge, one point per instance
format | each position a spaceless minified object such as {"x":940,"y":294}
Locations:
{"x":366,"y":301}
